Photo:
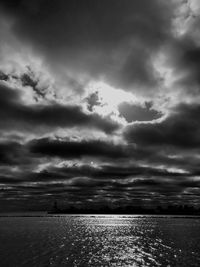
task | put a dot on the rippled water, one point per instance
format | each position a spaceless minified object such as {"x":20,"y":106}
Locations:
{"x":99,"y":241}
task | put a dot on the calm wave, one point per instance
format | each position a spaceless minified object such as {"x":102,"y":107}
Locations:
{"x":99,"y":241}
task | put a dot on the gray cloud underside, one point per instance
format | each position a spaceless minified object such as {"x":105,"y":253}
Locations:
{"x":15,"y":114}
{"x":107,"y":180}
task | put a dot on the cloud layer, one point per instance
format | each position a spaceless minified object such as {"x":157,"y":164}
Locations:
{"x":99,"y":103}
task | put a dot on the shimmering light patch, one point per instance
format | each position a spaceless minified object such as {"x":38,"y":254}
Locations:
{"x":109,"y":96}
{"x":174,"y":156}
{"x":177,"y":170}
{"x":169,"y":169}
{"x":196,"y":178}
{"x":94,"y":241}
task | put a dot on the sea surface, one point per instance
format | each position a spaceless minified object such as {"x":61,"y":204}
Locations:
{"x":99,"y":241}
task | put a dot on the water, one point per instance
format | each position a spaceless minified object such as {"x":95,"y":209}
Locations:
{"x":99,"y":241}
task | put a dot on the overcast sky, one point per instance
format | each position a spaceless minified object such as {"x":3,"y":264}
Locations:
{"x":99,"y":103}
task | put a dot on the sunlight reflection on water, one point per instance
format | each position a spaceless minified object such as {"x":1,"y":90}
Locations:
{"x":99,"y":241}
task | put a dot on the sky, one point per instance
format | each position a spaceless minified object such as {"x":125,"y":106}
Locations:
{"x":99,"y":103}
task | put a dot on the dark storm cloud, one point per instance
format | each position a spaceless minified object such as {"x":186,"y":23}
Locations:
{"x":15,"y":114}
{"x":190,"y":62}
{"x":111,"y":152}
{"x":3,"y":76}
{"x":29,"y":79}
{"x":93,"y":100}
{"x":102,"y":184}
{"x":104,"y":176}
{"x":37,"y":151}
{"x":95,"y":37}
{"x":180,"y":129}
{"x":96,"y":150}
{"x":7,"y":180}
{"x":183,"y":57}
{"x":78,"y":149}
{"x":111,"y":172}
{"x":10,"y":153}
{"x":132,"y":112}
{"x":106,"y":181}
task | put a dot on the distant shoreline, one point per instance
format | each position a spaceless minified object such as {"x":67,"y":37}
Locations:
{"x":102,"y":215}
